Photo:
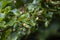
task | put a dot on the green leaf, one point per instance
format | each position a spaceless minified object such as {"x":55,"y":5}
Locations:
{"x":2,"y":24}
{"x":15,"y":12}
{"x":7,"y":9}
{"x":11,"y":22}
{"x":23,"y":17}
{"x":2,"y":15}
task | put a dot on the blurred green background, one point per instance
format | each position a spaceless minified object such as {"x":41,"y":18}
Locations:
{"x":29,"y":19}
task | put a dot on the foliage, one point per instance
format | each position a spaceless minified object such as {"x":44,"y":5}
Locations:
{"x":20,"y":18}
